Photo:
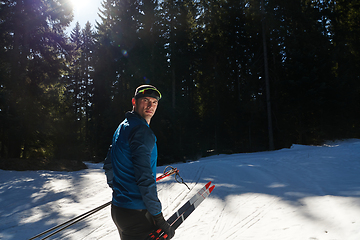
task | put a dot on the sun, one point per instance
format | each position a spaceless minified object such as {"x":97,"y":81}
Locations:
{"x":79,"y":4}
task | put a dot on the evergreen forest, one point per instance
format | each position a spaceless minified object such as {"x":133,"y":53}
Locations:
{"x":235,"y":75}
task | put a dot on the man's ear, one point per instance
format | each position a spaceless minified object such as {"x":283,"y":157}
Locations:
{"x":133,"y":101}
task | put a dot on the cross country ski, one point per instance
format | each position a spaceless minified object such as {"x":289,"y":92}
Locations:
{"x":180,"y":215}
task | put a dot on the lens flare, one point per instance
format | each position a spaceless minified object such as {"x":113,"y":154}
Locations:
{"x":124,"y":53}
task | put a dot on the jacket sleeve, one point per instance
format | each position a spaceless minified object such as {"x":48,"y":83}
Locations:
{"x":142,"y":142}
{"x":108,"y":168}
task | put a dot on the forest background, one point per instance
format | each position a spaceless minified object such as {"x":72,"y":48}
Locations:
{"x":236,"y":75}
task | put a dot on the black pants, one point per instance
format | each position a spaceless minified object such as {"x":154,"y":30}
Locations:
{"x":132,"y":224}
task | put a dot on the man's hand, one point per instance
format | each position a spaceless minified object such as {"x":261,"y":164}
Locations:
{"x":164,"y":225}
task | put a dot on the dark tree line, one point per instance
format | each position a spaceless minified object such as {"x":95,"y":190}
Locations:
{"x":220,"y":65}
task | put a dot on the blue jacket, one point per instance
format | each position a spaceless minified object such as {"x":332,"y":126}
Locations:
{"x":133,"y":161}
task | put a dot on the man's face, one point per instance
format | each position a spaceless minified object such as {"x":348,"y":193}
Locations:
{"x":146,"y":107}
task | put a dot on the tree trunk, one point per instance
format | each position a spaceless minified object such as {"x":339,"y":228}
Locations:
{"x":266,"y":70}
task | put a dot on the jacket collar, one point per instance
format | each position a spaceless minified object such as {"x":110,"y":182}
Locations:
{"x":133,"y":114}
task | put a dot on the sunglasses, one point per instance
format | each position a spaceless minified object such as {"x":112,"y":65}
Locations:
{"x":150,"y":92}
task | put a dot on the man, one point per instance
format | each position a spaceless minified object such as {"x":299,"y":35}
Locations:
{"x":131,"y":171}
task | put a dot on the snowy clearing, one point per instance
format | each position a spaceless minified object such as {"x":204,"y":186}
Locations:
{"x":301,"y":193}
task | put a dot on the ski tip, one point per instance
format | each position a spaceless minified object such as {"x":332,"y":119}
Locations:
{"x":208,"y":185}
{"x":212,"y":188}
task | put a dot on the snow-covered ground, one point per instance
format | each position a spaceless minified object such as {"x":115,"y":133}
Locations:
{"x":301,"y":193}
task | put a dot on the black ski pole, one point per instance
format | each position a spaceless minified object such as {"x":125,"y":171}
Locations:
{"x":70,"y":224}
{"x":71,"y":221}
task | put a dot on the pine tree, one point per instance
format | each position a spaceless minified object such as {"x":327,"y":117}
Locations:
{"x":33,"y":48}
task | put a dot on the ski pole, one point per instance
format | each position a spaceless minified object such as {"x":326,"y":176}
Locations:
{"x":170,"y":172}
{"x":167,"y":173}
{"x":74,"y":220}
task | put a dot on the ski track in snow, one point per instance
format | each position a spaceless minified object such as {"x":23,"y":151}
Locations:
{"x":300,"y":193}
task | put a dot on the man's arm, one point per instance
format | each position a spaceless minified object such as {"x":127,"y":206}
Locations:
{"x":142,"y":142}
{"x":108,"y":168}
{"x":141,"y":145}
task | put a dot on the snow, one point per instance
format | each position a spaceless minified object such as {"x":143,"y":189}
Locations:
{"x":299,"y":193}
